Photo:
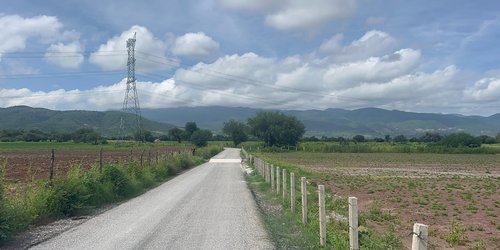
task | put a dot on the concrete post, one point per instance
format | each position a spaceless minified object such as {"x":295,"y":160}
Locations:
{"x":292,"y":192}
{"x":420,"y":237}
{"x":353,"y":223}
{"x":322,"y":215}
{"x":284,"y":185}
{"x":278,"y":180}
{"x":303,"y":190}
{"x":272,"y":177}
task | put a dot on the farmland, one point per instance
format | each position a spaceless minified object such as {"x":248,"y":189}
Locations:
{"x":457,"y":195}
{"x":27,"y":161}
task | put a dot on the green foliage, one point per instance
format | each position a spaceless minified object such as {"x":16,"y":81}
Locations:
{"x":87,"y":135}
{"x":276,"y":129}
{"x":189,"y":129}
{"x":236,"y":130}
{"x":81,"y":189}
{"x":358,"y":138}
{"x":201,"y":137}
{"x":455,"y":236}
{"x":461,"y":140}
{"x":176,"y":134}
{"x":144,"y":136}
{"x":400,"y":139}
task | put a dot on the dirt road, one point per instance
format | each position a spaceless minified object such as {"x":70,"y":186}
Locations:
{"x":208,"y":207}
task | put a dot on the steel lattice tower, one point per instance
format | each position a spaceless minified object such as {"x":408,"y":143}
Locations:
{"x":131,"y":101}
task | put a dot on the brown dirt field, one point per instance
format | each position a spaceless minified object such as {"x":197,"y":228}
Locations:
{"x":434,"y":191}
{"x":23,"y":166}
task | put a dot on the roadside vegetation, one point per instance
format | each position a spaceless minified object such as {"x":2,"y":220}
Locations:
{"x":80,"y":189}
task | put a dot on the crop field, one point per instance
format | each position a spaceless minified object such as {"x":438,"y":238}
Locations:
{"x":458,"y":196}
{"x":25,"y":161}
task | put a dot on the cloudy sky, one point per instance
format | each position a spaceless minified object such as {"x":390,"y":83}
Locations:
{"x":425,"y":56}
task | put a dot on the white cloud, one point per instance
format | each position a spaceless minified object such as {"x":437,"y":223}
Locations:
{"x":195,"y":45}
{"x":391,"y":80}
{"x":296,"y":15}
{"x":65,"y":55}
{"x":484,"y":90}
{"x":372,"y":43}
{"x":305,"y":15}
{"x":16,"y":30}
{"x":150,"y":52}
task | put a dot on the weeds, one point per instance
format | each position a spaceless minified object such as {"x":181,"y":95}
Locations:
{"x":81,"y":189}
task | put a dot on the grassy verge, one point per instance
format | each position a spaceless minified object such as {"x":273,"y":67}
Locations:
{"x":284,"y":227}
{"x":336,"y":207}
{"x":81,"y":190}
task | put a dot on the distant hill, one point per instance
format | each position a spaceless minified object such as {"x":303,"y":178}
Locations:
{"x":107,"y":123}
{"x":336,"y":122}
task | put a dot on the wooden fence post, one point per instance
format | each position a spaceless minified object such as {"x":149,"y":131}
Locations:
{"x":142,"y":154}
{"x":278,"y":180}
{"x":272,"y":177}
{"x":322,"y":215}
{"x":52,"y":162}
{"x":303,"y":190}
{"x":157,"y":157}
{"x":100,"y":161}
{"x":292,"y":192}
{"x":420,"y":237}
{"x":284,"y":185}
{"x":353,"y":223}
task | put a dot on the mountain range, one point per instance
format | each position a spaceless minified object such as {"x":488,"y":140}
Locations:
{"x":330,"y":122}
{"x":107,"y":122}
{"x":338,"y":122}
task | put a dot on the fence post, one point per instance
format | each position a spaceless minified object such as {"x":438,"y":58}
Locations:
{"x":322,"y":215}
{"x":100,"y":161}
{"x":353,"y":223}
{"x":142,"y":154}
{"x":303,"y":190}
{"x":420,"y":237}
{"x":52,"y":161}
{"x":156,"y":157}
{"x":278,"y":180}
{"x":284,"y":184}
{"x":272,"y":177}
{"x":292,"y":192}
{"x":267,"y":172}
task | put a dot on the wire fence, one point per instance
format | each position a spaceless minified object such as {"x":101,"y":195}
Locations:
{"x":340,"y":229}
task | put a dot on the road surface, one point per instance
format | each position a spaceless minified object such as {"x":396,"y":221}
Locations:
{"x":208,"y":207}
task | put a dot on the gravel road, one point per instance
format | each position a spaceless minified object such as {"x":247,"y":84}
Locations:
{"x":208,"y":207}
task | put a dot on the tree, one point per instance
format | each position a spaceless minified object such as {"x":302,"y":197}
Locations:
{"x":430,"y":137}
{"x":236,"y":131}
{"x":358,"y":138}
{"x":276,"y":129}
{"x":144,"y":136}
{"x":201,"y":137}
{"x":86,"y":135}
{"x":461,"y":140}
{"x":176,"y":134}
{"x":498,"y":138}
{"x":189,"y":129}
{"x":401,"y":139}
{"x":387,"y":138}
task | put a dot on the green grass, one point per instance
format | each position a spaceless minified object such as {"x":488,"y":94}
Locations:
{"x":81,"y":190}
{"x":337,"y":231}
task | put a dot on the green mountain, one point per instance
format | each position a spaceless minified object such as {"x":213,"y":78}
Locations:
{"x":107,"y":123}
{"x":337,"y":122}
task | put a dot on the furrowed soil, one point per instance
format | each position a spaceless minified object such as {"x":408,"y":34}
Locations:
{"x":22,"y":166}
{"x":439,"y":190}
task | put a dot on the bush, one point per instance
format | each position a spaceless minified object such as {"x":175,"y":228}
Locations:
{"x":460,"y":140}
{"x":200,"y":138}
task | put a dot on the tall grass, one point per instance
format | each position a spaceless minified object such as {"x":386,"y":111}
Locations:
{"x":373,"y":147}
{"x":82,"y":189}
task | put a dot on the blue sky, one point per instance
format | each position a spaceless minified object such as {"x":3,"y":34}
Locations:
{"x":424,"y":56}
